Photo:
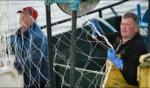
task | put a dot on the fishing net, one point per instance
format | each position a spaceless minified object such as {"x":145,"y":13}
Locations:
{"x":9,"y":77}
{"x":90,"y":54}
{"x":90,"y":68}
{"x":21,"y":73}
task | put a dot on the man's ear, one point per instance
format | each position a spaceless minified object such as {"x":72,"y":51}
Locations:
{"x":136,"y":29}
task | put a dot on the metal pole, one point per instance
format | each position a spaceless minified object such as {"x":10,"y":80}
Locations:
{"x":73,"y":48}
{"x":148,"y":26}
{"x":49,"y":36}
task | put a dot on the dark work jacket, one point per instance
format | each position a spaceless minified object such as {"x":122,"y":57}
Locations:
{"x":130,"y":52}
{"x":31,"y":52}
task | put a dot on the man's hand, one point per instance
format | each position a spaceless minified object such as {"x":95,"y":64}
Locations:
{"x":96,"y":26}
{"x":111,"y":55}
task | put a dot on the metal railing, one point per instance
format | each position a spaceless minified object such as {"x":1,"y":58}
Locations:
{"x":99,"y":10}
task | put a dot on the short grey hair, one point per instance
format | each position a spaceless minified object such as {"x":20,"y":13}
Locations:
{"x":133,"y":16}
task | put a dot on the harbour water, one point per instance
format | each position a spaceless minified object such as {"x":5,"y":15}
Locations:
{"x":11,"y":7}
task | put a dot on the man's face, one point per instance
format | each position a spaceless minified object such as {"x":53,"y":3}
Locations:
{"x":24,"y":21}
{"x":128,"y":28}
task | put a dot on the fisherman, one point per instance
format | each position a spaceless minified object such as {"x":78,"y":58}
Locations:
{"x":129,"y":45}
{"x":31,"y":50}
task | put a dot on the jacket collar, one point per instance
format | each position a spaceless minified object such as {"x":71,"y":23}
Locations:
{"x":25,"y":34}
{"x":137,"y":36}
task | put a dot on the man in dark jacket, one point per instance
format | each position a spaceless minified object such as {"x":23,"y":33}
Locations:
{"x":31,"y":50}
{"x":129,"y":45}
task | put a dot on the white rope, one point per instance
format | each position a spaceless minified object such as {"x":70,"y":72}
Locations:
{"x":109,"y":44}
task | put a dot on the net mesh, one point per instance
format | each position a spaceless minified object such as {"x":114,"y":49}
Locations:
{"x":90,"y":55}
{"x":90,"y":59}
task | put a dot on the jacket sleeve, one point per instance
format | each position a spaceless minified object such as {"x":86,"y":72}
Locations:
{"x":112,"y":37}
{"x":37,"y":52}
{"x":131,"y":62}
{"x":12,"y":43}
